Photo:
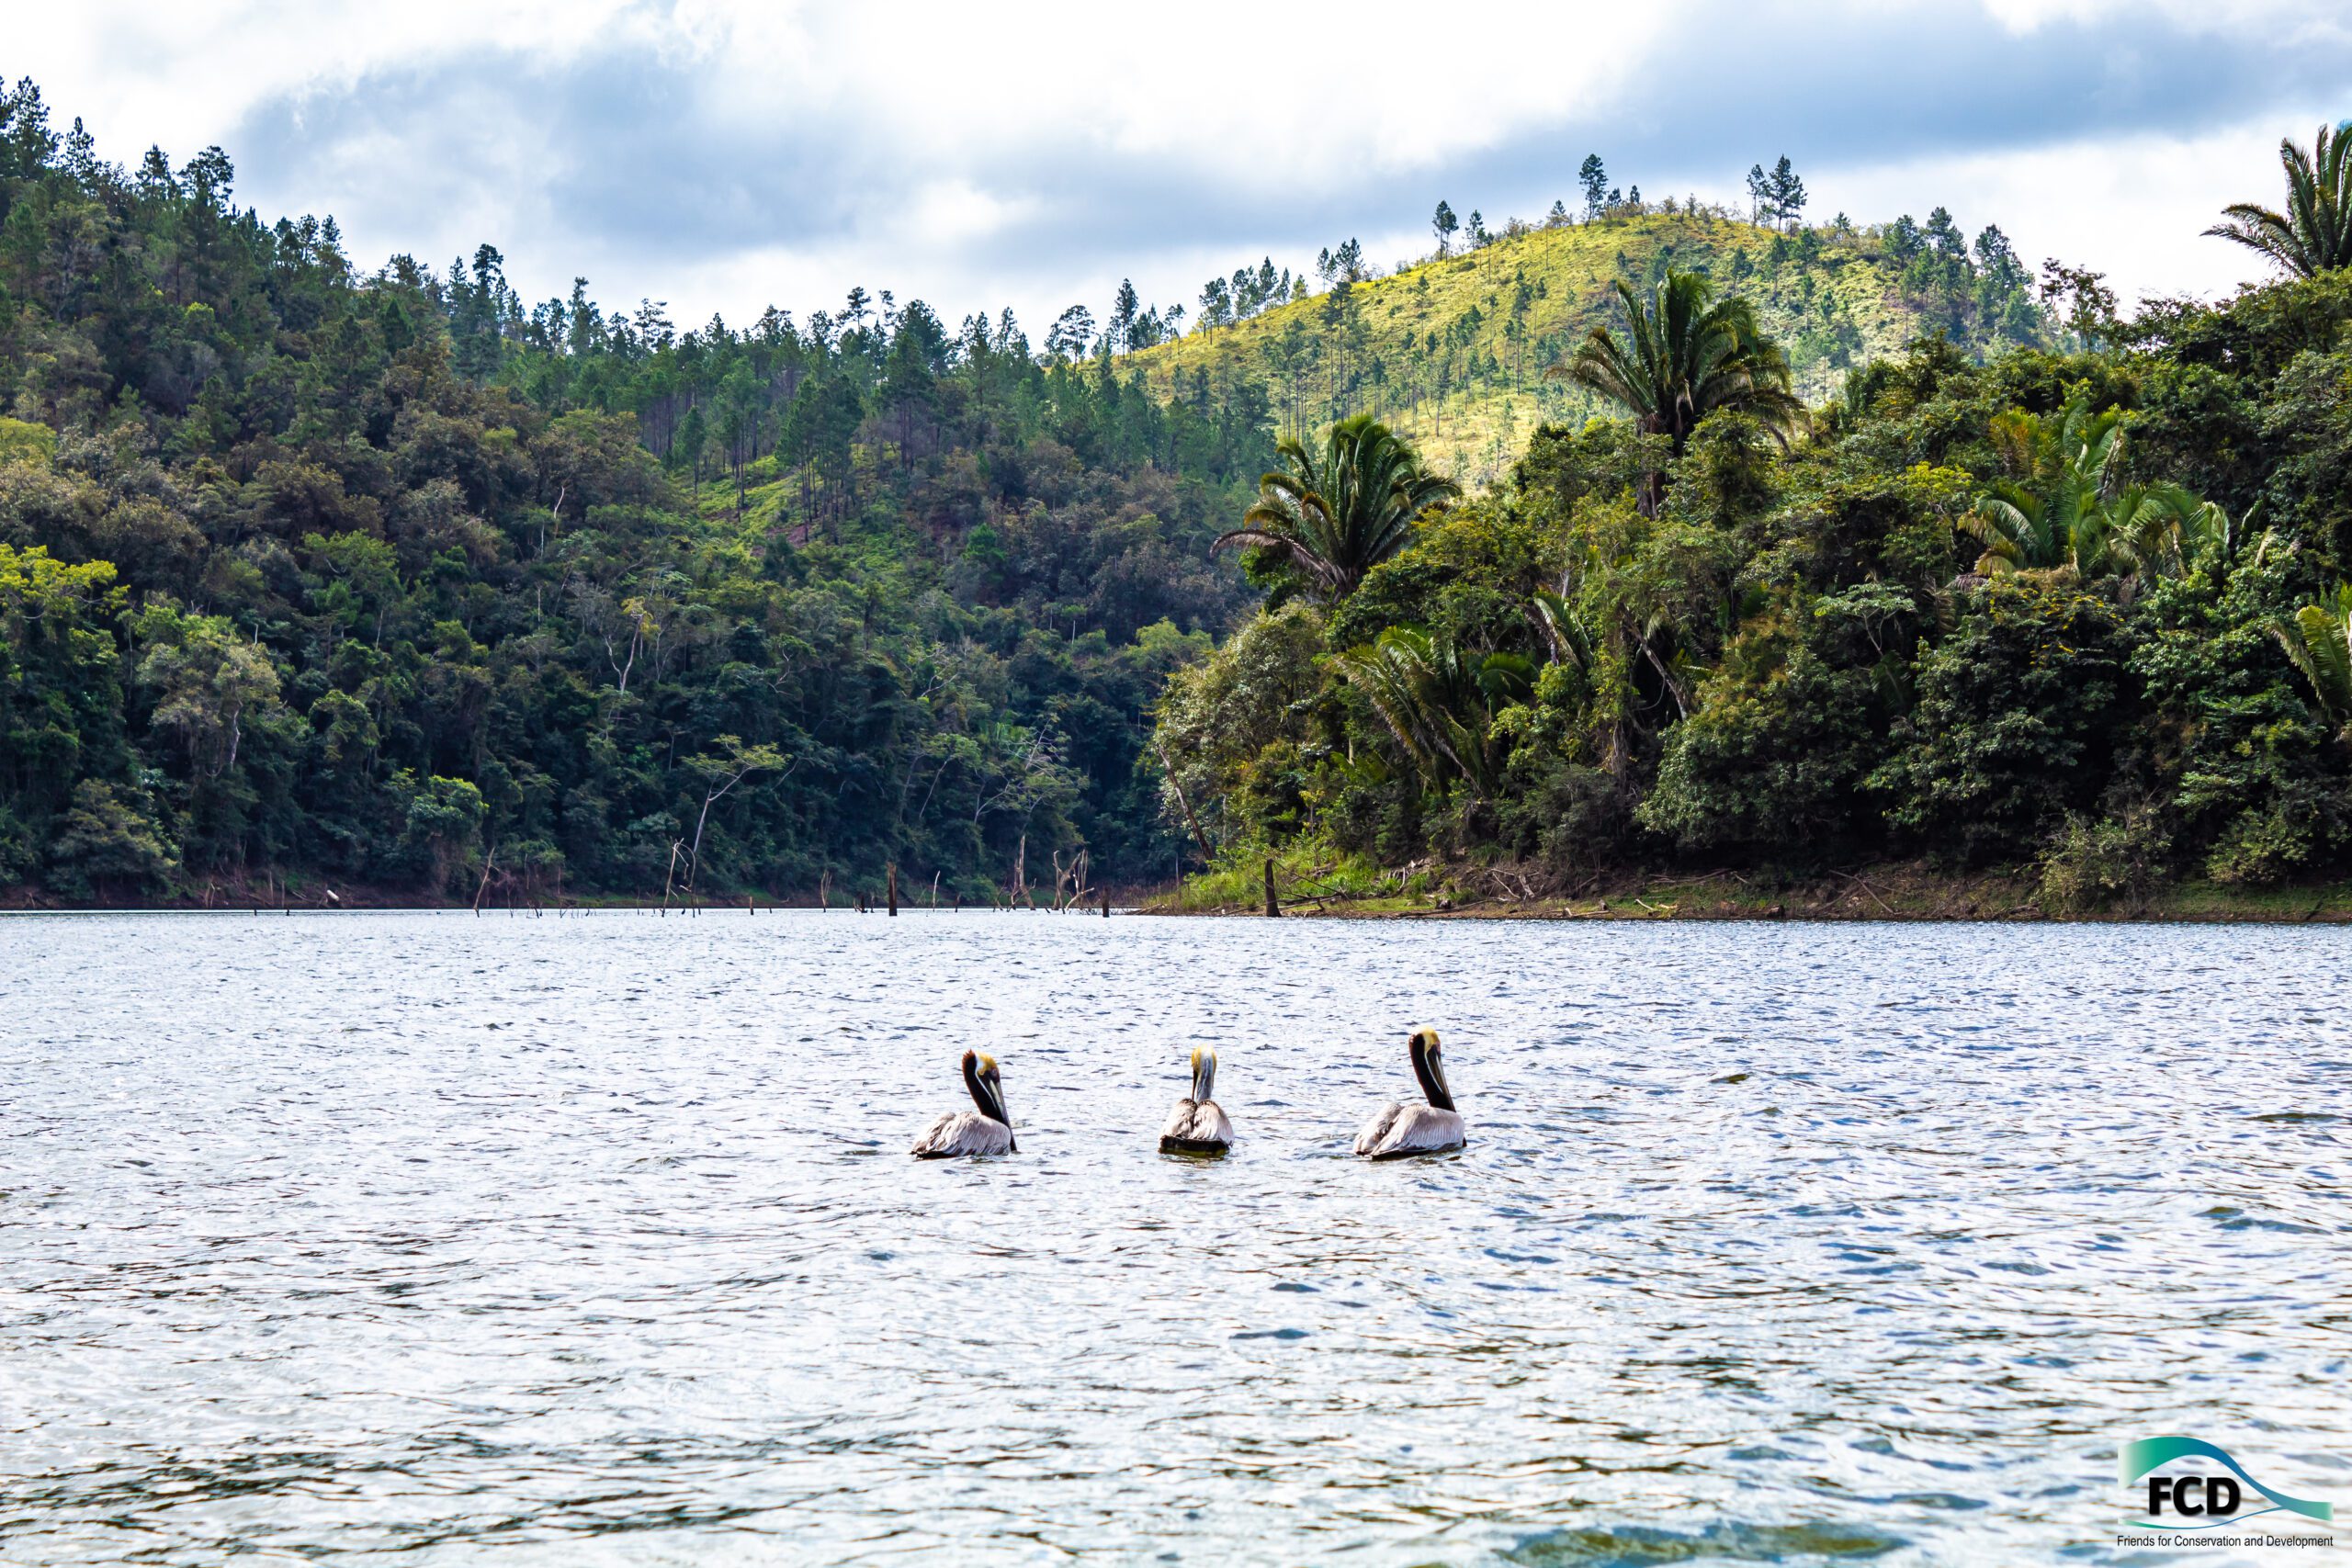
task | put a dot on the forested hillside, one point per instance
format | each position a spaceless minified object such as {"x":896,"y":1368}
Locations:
{"x":1451,"y":348}
{"x":391,"y":581}
{"x":1804,"y":544}
{"x":2080,"y":615}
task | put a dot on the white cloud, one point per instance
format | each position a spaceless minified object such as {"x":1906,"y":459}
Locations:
{"x":1225,"y":84}
{"x":724,"y":155}
{"x":2208,"y":16}
{"x":183,"y":75}
{"x":2134,"y":207}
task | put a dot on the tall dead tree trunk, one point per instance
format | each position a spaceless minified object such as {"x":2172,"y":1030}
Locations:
{"x":1190,"y":821}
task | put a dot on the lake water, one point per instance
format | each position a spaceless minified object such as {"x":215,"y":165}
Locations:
{"x":595,"y":1240}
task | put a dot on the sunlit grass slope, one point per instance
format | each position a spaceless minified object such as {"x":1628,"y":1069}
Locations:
{"x":1506,"y":311}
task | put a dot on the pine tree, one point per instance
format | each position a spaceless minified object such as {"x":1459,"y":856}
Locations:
{"x":1787,"y":191}
{"x":1071,"y":331}
{"x":1595,"y":181}
{"x":1123,"y":315}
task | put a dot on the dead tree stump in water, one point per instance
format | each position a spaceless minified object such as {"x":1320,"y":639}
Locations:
{"x":1272,"y":907}
{"x":892,"y":871}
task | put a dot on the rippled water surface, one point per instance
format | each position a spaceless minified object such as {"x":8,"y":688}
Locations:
{"x":593,"y":1240}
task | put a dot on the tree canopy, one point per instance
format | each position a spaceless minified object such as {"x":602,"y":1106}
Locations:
{"x":1331,"y":516}
{"x":318,"y":577}
{"x":395,"y":580}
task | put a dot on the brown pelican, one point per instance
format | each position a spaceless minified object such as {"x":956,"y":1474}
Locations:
{"x":1397,"y":1130}
{"x":985,"y":1131}
{"x":1197,"y":1126}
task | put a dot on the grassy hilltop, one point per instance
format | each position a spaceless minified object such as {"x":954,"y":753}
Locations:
{"x":1834,"y":296}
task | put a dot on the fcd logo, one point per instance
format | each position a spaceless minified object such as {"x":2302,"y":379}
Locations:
{"x":2177,"y":1498}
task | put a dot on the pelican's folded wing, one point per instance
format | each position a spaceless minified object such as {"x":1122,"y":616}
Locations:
{"x":1197,"y":1121}
{"x":964,"y":1132}
{"x":938,"y":1139}
{"x":1376,"y":1130}
{"x":1415,"y":1130}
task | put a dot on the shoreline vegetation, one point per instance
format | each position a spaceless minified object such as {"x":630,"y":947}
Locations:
{"x":1648,"y":553}
{"x":1883,"y":893}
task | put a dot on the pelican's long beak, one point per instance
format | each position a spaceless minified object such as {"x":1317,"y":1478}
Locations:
{"x":1203,"y":1075}
{"x":992,"y":1086}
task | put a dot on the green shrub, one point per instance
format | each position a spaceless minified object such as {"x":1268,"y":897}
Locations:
{"x":2098,"y":865}
{"x":2014,"y":724}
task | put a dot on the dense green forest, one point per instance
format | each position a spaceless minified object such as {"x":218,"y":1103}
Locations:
{"x":2076,"y":610}
{"x":393,"y":582}
{"x":1811,"y":544}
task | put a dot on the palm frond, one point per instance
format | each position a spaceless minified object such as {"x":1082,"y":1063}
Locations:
{"x":1571,"y":640}
{"x":1438,"y":702}
{"x":2318,"y":642}
{"x":1681,"y":355}
{"x":2313,"y":234}
{"x":1336,"y":514}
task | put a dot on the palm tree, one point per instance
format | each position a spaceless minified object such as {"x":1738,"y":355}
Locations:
{"x":2315,"y":234}
{"x":1566,"y":630}
{"x":1683,"y":357}
{"x":2157,"y":530}
{"x":2061,"y":508}
{"x":1333,"y":518}
{"x":1439,"y":700}
{"x":2318,"y":639}
{"x":2046,"y":514}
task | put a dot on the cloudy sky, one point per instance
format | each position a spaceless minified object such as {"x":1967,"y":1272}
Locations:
{"x":722,"y":155}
